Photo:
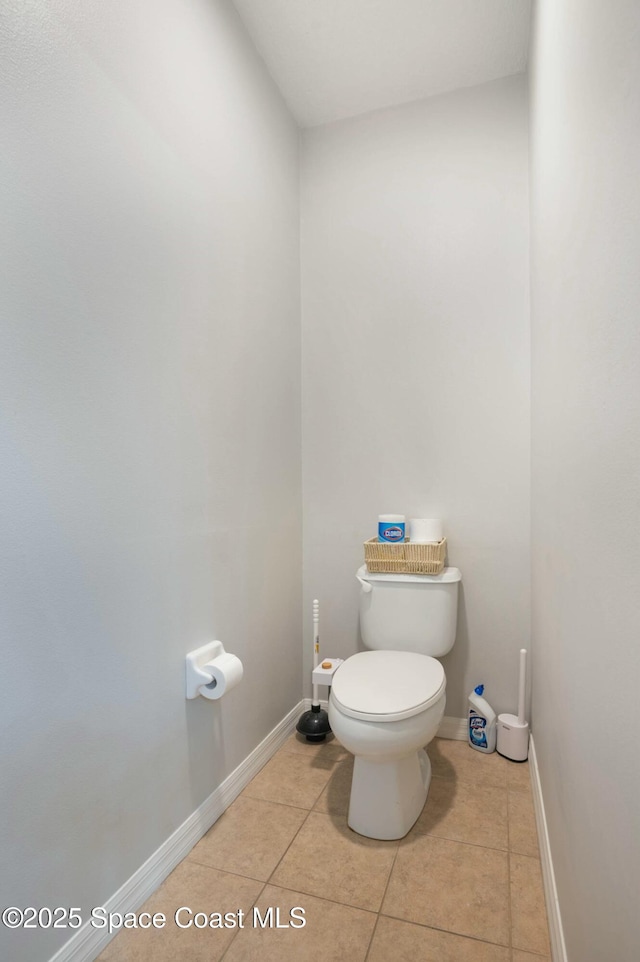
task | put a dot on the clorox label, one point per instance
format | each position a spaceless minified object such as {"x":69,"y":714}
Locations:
{"x":393,"y":533}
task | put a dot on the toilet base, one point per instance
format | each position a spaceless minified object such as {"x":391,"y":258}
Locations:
{"x":387,"y":796}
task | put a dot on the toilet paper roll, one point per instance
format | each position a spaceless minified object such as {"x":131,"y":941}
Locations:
{"x":227,"y":672}
{"x":425,"y":530}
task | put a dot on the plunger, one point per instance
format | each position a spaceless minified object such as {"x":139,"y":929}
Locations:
{"x":314,"y":724}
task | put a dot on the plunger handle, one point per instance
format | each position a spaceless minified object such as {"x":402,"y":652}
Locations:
{"x":521,"y":687}
{"x":316,"y":645}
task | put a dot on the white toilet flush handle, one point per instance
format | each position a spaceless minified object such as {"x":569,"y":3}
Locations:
{"x":366,"y":585}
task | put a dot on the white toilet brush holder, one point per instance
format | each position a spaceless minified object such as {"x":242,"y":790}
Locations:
{"x":513,"y":730}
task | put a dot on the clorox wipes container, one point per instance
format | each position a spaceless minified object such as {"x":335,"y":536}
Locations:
{"x":391,"y":527}
{"x":482,"y":722}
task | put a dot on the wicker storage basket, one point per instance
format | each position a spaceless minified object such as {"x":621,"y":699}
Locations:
{"x":406,"y":557}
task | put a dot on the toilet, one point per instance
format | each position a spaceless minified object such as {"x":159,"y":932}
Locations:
{"x":386,"y":703}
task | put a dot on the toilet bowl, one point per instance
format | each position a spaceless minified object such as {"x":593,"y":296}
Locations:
{"x":384,"y":707}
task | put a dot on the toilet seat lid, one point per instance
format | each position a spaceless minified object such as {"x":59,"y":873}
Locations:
{"x":387,"y":685}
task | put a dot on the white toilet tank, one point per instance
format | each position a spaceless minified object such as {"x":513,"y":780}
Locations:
{"x":409,"y":612}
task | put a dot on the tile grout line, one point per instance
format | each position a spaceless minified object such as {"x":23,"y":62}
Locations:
{"x":459,"y":935}
{"x":458,"y":841}
{"x":249,"y":878}
{"x":300,"y":808}
{"x":237,"y":933}
{"x":276,"y":866}
{"x":270,"y":801}
{"x":509,"y":912}
{"x":372,"y":937}
{"x":322,"y":898}
{"x":375,"y":927}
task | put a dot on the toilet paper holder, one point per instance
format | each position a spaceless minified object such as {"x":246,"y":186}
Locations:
{"x":197,"y":678}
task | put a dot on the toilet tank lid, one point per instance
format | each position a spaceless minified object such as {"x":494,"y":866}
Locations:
{"x":446,"y":575}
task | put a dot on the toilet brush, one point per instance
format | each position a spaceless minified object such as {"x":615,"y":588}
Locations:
{"x":314,"y":724}
{"x":513,"y":730}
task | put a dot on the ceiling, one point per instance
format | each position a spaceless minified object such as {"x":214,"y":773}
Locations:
{"x":338,"y":58}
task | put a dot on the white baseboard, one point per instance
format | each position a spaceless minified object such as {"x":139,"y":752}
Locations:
{"x":87,"y":943}
{"x":454,"y":728}
{"x":556,"y":934}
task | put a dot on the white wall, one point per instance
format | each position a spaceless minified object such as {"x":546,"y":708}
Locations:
{"x":150,"y":429}
{"x":586,"y":462}
{"x":416,"y":361}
